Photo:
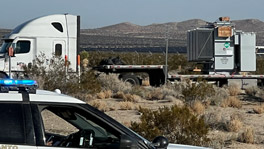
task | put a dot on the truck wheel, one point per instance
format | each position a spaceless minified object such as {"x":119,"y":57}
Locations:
{"x":130,"y":79}
{"x":3,"y":75}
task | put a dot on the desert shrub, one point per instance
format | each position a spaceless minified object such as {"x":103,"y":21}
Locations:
{"x":259,"y":109}
{"x":127,"y":97}
{"x":84,"y":55}
{"x":155,"y":94}
{"x":83,"y":97}
{"x":139,"y":90}
{"x":197,"y":91}
{"x":234,"y":125}
{"x":252,"y":91}
{"x":248,"y":135}
{"x":215,"y":120}
{"x":89,"y":83}
{"x":112,"y":82}
{"x":145,"y":82}
{"x":160,"y":93}
{"x":234,"y":89}
{"x":84,"y":60}
{"x":54,"y":76}
{"x":178,"y":124}
{"x":99,"y":104}
{"x":170,"y":90}
{"x":231,"y":101}
{"x":104,"y":94}
{"x":108,"y":93}
{"x":198,"y":107}
{"x":100,"y":95}
{"x":219,"y":96}
{"x":131,"y":98}
{"x":119,"y":94}
{"x":178,"y":86}
{"x":174,"y":100}
{"x":126,"y":105}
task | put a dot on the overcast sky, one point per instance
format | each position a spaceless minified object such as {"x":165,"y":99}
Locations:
{"x":99,"y":13}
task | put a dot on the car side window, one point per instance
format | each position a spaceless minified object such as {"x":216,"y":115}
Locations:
{"x":86,"y":130}
{"x":12,"y":123}
{"x":56,"y":128}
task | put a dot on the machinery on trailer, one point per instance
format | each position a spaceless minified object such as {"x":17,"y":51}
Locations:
{"x":227,"y":54}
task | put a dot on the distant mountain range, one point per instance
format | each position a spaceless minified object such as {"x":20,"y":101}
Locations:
{"x":128,"y":36}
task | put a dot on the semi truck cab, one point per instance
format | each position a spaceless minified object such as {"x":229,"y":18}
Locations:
{"x":49,"y":35}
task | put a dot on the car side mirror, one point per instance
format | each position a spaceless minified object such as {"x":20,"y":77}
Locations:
{"x":160,"y":142}
{"x":126,"y":142}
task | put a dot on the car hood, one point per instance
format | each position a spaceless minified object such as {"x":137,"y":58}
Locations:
{"x":181,"y":146}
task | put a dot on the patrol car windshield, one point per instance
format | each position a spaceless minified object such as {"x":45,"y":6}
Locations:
{"x":6,"y":44}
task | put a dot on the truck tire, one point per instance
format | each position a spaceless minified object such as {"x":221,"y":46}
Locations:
{"x":3,"y":75}
{"x":130,"y":79}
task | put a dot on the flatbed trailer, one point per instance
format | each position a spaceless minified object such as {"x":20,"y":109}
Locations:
{"x":130,"y":73}
{"x":156,"y":73}
{"x":244,"y":81}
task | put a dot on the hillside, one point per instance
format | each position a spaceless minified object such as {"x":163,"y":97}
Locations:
{"x":128,"y":36}
{"x":131,"y":36}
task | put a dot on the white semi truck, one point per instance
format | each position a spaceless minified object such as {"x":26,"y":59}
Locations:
{"x":224,"y":51}
{"x":53,"y":34}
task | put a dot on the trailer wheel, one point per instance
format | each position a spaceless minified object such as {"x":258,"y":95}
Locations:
{"x":130,"y":79}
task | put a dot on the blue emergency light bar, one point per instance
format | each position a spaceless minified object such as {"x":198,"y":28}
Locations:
{"x":7,"y":85}
{"x":11,"y":82}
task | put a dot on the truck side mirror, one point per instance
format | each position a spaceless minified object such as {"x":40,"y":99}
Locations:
{"x":127,"y":142}
{"x":11,"y":51}
{"x":160,"y":142}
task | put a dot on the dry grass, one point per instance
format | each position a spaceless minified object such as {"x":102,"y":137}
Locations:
{"x":104,"y":94}
{"x":248,"y":135}
{"x":252,"y":91}
{"x":83,"y":96}
{"x":126,"y":105}
{"x":197,"y":107}
{"x":234,"y":125}
{"x":127,"y":97}
{"x":127,"y":123}
{"x":156,"y":94}
{"x":89,"y":97}
{"x":214,"y":119}
{"x":113,"y":83}
{"x":234,"y":89}
{"x":231,"y":101}
{"x":119,"y":95}
{"x":100,"y":95}
{"x":131,"y":98}
{"x":220,"y":95}
{"x":99,"y":104}
{"x":108,"y":93}
{"x":259,"y":109}
{"x":145,"y":82}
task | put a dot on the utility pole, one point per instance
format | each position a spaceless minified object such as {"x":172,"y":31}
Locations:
{"x":166,"y":59}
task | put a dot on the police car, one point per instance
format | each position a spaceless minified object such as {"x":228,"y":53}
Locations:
{"x":26,"y":114}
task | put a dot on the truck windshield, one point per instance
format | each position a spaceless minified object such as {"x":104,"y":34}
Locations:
{"x":5,"y":46}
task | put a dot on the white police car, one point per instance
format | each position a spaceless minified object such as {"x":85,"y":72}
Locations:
{"x":23,"y":126}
